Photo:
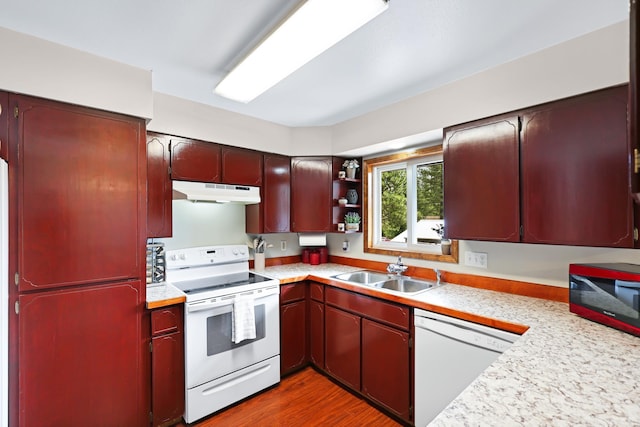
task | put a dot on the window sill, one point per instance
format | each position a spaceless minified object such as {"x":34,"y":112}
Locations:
{"x":427,"y":256}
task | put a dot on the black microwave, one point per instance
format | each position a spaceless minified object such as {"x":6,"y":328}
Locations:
{"x":606,"y":293}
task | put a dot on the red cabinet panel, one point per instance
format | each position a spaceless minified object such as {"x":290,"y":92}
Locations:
{"x":481,"y":180}
{"x":159,"y":189}
{"x":387,"y":312}
{"x":293,"y":335}
{"x":80,"y":357}
{"x":167,"y":365}
{"x":342,"y":346}
{"x":81,"y":194}
{"x":316,"y":291}
{"x":311,"y":194}
{"x":293,"y":292}
{"x":316,"y":333}
{"x":193,"y":160}
{"x":272,"y":214}
{"x":386,"y":373}
{"x":241,"y":166}
{"x":575,"y":172}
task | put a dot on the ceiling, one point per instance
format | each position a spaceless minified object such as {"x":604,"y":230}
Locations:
{"x":415,"y":46}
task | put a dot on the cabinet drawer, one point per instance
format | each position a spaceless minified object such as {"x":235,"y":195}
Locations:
{"x":316,"y":291}
{"x":166,"y":320}
{"x":293,"y":292}
{"x":382,"y":311}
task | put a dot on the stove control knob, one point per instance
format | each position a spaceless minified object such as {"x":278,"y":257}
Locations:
{"x":183,"y":257}
{"x":174,"y":257}
{"x":235,"y":251}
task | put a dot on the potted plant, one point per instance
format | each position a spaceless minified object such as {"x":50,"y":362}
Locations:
{"x":352,"y":221}
{"x":351,"y":166}
{"x":445,"y":244}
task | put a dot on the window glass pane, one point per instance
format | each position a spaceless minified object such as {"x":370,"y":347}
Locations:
{"x":430,"y":202}
{"x":393,"y":188}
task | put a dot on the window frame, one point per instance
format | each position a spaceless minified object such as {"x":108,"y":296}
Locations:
{"x":368,"y":208}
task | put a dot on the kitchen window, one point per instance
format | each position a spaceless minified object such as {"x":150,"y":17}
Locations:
{"x":404,"y":205}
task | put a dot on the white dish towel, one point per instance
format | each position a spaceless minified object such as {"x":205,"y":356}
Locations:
{"x":243,"y":326}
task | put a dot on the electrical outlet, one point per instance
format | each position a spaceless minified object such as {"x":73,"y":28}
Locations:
{"x":283,"y":245}
{"x":476,"y":259}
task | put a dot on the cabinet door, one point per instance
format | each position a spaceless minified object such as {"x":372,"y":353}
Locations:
{"x":81,"y":194}
{"x":195,"y":161}
{"x":167,"y":378}
{"x":386,"y":373}
{"x":81,"y":357}
{"x":311,"y":198}
{"x":159,"y":190}
{"x":316,"y":333}
{"x":342,"y":346}
{"x":241,"y":166}
{"x":293,"y":336}
{"x":272,"y":214}
{"x":481,"y":180}
{"x":575,"y":172}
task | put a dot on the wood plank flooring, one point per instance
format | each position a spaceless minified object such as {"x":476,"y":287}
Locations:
{"x":305,"y":398}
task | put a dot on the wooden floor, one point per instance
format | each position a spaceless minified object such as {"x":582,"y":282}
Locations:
{"x":306,"y":398}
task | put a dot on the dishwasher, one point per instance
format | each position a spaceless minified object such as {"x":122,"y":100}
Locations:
{"x":449,"y":354}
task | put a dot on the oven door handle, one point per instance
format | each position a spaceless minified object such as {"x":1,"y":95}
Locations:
{"x":207,"y":305}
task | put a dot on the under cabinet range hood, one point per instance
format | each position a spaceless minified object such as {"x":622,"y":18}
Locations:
{"x":216,"y":193}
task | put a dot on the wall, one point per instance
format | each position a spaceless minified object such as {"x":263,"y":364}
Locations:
{"x":33,"y":66}
{"x":596,"y":60}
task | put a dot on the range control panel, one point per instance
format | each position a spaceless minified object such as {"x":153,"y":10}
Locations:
{"x":206,"y":255}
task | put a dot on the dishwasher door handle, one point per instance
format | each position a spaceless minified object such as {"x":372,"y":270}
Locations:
{"x":465,"y":334}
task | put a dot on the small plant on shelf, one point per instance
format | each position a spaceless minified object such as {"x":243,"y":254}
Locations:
{"x":352,"y":221}
{"x":351,"y":167}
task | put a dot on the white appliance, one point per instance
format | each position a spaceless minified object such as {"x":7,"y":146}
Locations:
{"x":218,"y":193}
{"x":4,"y":295}
{"x":449,"y":355}
{"x":221,"y":367}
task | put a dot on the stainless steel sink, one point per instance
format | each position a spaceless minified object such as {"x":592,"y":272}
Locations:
{"x":388,"y":282}
{"x":364,"y":277}
{"x":406,"y":285}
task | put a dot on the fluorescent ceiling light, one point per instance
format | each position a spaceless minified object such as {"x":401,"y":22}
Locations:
{"x":313,"y":28}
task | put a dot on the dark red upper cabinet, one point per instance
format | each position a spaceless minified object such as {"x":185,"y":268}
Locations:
{"x":159,"y":188}
{"x":241,"y":166}
{"x":311,"y":194}
{"x":193,"y":160}
{"x":272,"y":214}
{"x":80,"y":194}
{"x":481,"y":180}
{"x":575,"y":171}
{"x":4,"y":125}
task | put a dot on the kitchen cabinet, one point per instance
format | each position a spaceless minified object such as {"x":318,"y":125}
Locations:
{"x":482,"y":181}
{"x":386,"y":373}
{"x":193,"y":160}
{"x":311,"y":194}
{"x":167,"y":365}
{"x":241,"y":166}
{"x":368,"y":348}
{"x":342,"y":346}
{"x":575,"y":172}
{"x":80,"y":357}
{"x":293,"y":327}
{"x":77,"y":212}
{"x":80,"y":189}
{"x":272,"y":214}
{"x":316,"y":324}
{"x":159,"y":187}
{"x":340,"y":188}
{"x":555,"y":174}
{"x":4,"y":125}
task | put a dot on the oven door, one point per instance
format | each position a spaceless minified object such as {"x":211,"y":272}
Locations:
{"x":209,"y":350}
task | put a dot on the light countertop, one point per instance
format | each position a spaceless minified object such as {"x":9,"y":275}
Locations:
{"x":563,"y":371}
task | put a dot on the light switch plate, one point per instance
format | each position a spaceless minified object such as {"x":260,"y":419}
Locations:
{"x":476,"y":259}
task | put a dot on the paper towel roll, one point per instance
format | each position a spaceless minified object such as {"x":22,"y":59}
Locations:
{"x":312,"y":239}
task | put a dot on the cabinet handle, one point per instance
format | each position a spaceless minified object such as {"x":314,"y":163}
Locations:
{"x":636,"y":160}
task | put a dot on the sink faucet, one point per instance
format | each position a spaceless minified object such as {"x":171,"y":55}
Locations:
{"x":397,"y":268}
{"x":438,"y":275}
